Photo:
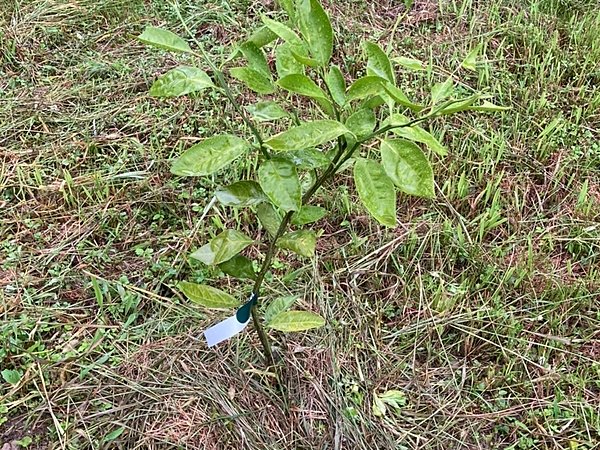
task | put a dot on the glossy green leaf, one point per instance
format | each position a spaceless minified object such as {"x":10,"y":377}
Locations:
{"x":308,"y":214}
{"x":417,"y":134}
{"x":400,"y":97}
{"x":262,"y":36}
{"x":378,"y":63}
{"x":316,"y":29}
{"x":441,"y":91}
{"x":164,"y":39}
{"x":180,"y":81}
{"x":376,"y":191}
{"x":310,"y":134}
{"x":256,"y":58}
{"x":409,"y":63}
{"x":279,"y":180}
{"x":301,"y":84}
{"x":470,"y":62}
{"x":239,"y":267}
{"x":365,"y":87}
{"x":222,"y":247}
{"x":287,"y":34}
{"x":278,"y":306}
{"x":334,"y":79}
{"x":209,"y":156}
{"x":307,"y":158}
{"x":302,"y":242}
{"x":291,"y":321}
{"x":285,"y":61}
{"x":407,"y":167}
{"x":269,"y":218}
{"x":488,"y":107}
{"x":362,"y":123}
{"x":253,"y":79}
{"x":266,"y":111}
{"x":241,"y":193}
{"x":207,"y":296}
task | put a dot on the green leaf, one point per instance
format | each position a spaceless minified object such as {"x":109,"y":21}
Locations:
{"x":113,"y":435}
{"x":241,"y":193}
{"x":362,"y":122}
{"x":336,"y":84}
{"x":287,"y":34}
{"x":379,"y":409}
{"x":374,"y":102}
{"x":409,"y":63}
{"x":378,"y":63}
{"x":256,"y":58}
{"x":301,"y":84}
{"x":376,"y":191}
{"x":266,"y":111}
{"x":308,"y":214}
{"x":285,"y":61}
{"x":302,"y":242}
{"x":441,"y":91}
{"x":180,"y":81}
{"x":326,"y":106}
{"x":164,"y":39}
{"x":291,"y":321}
{"x":461,"y":105}
{"x":393,"y":398}
{"x":240,"y":267}
{"x":253,"y":79}
{"x":279,"y":180}
{"x":470,"y":62}
{"x":307,"y":158}
{"x":400,"y":97}
{"x":262,"y":36}
{"x":209,"y":156}
{"x":222,"y":248}
{"x":407,"y":167}
{"x":316,"y":29}
{"x":278,"y":306}
{"x":311,"y":134}
{"x":12,"y":376}
{"x":289,"y":8}
{"x":305,"y":60}
{"x":269,"y":218}
{"x":488,"y":107}
{"x":365,"y":87}
{"x":207,"y":296}
{"x":417,"y":134}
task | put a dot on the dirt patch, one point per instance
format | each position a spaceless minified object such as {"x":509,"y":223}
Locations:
{"x":17,"y":429}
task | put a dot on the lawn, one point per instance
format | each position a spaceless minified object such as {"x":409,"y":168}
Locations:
{"x":477,"y":317}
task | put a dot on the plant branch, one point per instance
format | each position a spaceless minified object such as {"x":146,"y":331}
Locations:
{"x":223,"y":84}
{"x":264,"y":338}
{"x":262,"y":334}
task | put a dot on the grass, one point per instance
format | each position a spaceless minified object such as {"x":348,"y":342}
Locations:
{"x":481,"y":308}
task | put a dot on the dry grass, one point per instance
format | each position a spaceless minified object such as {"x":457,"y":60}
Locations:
{"x":488,"y":327}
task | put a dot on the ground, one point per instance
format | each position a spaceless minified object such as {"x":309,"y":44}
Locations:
{"x":479,"y":312}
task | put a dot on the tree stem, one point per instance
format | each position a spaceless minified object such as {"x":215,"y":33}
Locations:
{"x":266,"y":265}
